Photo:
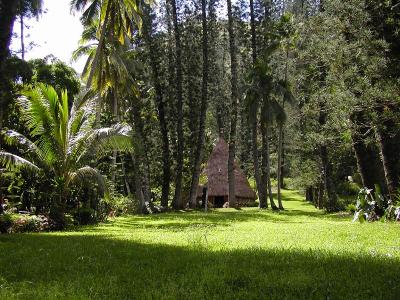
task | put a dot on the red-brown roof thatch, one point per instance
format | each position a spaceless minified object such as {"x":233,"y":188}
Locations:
{"x":217,"y":174}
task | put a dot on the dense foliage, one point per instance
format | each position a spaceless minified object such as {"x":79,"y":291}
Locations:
{"x":305,"y":92}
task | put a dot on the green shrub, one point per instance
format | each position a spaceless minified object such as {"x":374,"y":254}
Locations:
{"x":373,"y":206}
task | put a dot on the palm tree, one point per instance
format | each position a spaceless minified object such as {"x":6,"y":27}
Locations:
{"x":108,"y":72}
{"x":117,"y":20}
{"x":65,"y":140}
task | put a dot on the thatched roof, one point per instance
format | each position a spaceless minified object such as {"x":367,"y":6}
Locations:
{"x":217,"y":174}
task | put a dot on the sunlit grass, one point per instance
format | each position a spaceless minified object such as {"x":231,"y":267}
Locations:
{"x":226,"y":253}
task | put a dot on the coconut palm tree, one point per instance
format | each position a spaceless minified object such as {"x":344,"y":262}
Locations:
{"x":116,"y":20}
{"x":64,"y":140}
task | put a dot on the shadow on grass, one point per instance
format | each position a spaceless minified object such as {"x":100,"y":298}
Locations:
{"x":42,"y":266}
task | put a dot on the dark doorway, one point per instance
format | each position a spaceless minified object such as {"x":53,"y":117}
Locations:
{"x":219,"y":201}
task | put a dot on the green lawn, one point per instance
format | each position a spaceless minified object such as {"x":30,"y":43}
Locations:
{"x":224,"y":254}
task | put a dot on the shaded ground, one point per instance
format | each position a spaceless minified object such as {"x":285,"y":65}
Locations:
{"x":244,"y":254}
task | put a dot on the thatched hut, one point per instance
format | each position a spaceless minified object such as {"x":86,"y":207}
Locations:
{"x":217,"y":175}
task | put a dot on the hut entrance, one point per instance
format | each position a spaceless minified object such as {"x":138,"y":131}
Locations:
{"x":219,"y":201}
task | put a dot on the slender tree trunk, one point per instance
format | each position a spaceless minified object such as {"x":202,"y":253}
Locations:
{"x":234,"y":96}
{"x":203,"y":111}
{"x":178,"y":203}
{"x":266,"y":164}
{"x":154,"y":63}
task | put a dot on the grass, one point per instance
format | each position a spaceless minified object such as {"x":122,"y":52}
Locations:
{"x":300,"y":253}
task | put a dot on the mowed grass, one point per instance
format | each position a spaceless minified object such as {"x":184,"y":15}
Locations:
{"x":300,"y":253}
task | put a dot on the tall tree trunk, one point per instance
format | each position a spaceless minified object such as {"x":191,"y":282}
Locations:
{"x":154,"y":63}
{"x":203,"y":111}
{"x":254,"y":116}
{"x":266,"y":177}
{"x":326,"y":168}
{"x":178,"y":203}
{"x":234,"y":97}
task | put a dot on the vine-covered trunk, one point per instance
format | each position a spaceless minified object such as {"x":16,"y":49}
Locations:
{"x":141,"y":150}
{"x":234,"y":112}
{"x":254,"y":117}
{"x":154,"y":63}
{"x":203,"y":110}
{"x":326,"y":167}
{"x":178,"y":203}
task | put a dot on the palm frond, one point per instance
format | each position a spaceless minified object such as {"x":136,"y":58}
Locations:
{"x":14,"y":162}
{"x":13,"y":138}
{"x":105,"y":140}
{"x":88,"y":175}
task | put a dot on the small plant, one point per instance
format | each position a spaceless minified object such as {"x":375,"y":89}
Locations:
{"x":373,"y":205}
